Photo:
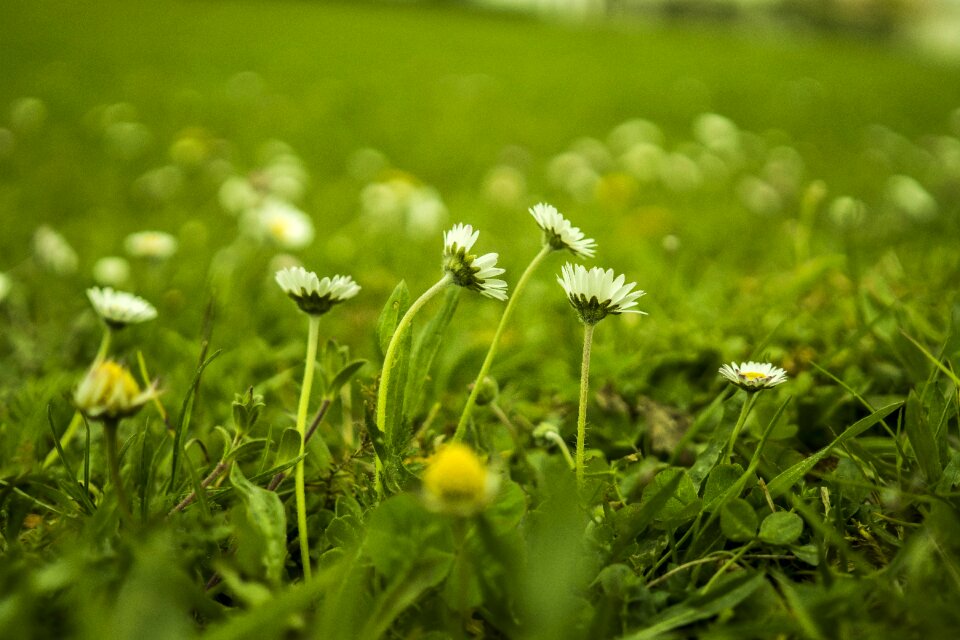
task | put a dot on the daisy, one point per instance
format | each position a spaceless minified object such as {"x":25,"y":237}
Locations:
{"x":109,"y":392}
{"x":753,"y":376}
{"x":596,"y":293}
{"x":456,"y":482}
{"x":282,"y":224}
{"x":54,"y":252}
{"x":155,"y":245}
{"x":119,"y":308}
{"x":559,"y":234}
{"x":467,"y":270}
{"x":111,"y":271}
{"x":313,"y":295}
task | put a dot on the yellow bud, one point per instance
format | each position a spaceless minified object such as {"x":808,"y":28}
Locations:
{"x":108,"y":391}
{"x":457,"y":482}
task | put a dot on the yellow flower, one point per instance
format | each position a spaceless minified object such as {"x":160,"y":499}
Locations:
{"x":109,"y":392}
{"x":457,"y":482}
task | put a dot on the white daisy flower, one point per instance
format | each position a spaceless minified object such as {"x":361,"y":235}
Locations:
{"x":109,"y":391}
{"x":466,"y":269}
{"x":119,"y":308}
{"x":313,"y":295}
{"x":753,"y":376}
{"x":154,"y":245}
{"x":596,"y":293}
{"x":54,"y":252}
{"x":560,"y":234}
{"x":282,"y":224}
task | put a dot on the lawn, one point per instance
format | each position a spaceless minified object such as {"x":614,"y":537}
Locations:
{"x":784,"y":198}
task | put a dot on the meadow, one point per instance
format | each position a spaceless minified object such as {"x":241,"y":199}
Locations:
{"x":783,"y":198}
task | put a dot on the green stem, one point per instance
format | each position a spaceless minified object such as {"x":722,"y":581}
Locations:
{"x":77,"y":419}
{"x":492,"y":352}
{"x":113,"y":463}
{"x":584,"y":387}
{"x":388,"y":364}
{"x":311,"y":359}
{"x":744,"y":412}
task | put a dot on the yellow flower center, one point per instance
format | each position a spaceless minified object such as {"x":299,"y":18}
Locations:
{"x":456,"y":481}
{"x":108,"y":390}
{"x":752,"y":375}
{"x":279,"y":228}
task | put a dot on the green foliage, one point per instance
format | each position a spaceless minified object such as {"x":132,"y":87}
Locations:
{"x":836,"y":516}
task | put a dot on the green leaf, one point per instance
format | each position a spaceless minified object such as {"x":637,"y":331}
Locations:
{"x":289,"y":447}
{"x":922,"y":440}
{"x":261,"y":527}
{"x":343,"y":377}
{"x":785,"y":480}
{"x":393,"y":310}
{"x":399,"y":531}
{"x":781,"y":528}
{"x":726,"y":595}
{"x":633,"y":519}
{"x":344,"y":531}
{"x":738,"y":520}
{"x":426,"y":349}
{"x":682,"y":505}
{"x":721,"y":478}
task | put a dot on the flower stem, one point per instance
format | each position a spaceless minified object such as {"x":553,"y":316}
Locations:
{"x":77,"y":419}
{"x":388,"y":364}
{"x":744,"y":412}
{"x":584,"y":387}
{"x":312,"y":341}
{"x":492,"y":352}
{"x":113,"y":463}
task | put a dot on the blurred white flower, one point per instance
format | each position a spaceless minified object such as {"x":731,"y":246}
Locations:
{"x":237,"y":195}
{"x":155,"y":245}
{"x":467,"y":270}
{"x":280,"y":223}
{"x":162,"y":184}
{"x":847,"y":212}
{"x":559,"y":233}
{"x":759,"y":196}
{"x":670,"y":243}
{"x":596,"y":293}
{"x":54,"y":252}
{"x":28,"y":115}
{"x":119,"y":308}
{"x":505,"y":186}
{"x":634,"y":132}
{"x":679,"y":172}
{"x":425,"y":212}
{"x":595,"y":152}
{"x":910,"y":198}
{"x":366,"y":163}
{"x":127,"y":140}
{"x":753,"y":376}
{"x":6,"y":285}
{"x":717,"y":133}
{"x":313,"y":295}
{"x":112,"y":271}
{"x":109,"y":391}
{"x":642,"y":161}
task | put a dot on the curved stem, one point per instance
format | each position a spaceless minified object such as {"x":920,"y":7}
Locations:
{"x":388,"y":364}
{"x":492,"y":352}
{"x":77,"y":419}
{"x":113,"y":463}
{"x":312,"y":341}
{"x":744,"y":412}
{"x":584,"y":388}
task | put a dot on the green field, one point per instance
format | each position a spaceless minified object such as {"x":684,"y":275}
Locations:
{"x":784,"y":197}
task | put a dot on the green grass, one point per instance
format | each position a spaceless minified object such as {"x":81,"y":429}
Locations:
{"x":857,"y":452}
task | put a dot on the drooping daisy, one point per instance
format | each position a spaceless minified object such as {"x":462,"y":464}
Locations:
{"x":109,"y":392}
{"x":468,"y":270}
{"x":596,"y":293}
{"x":753,"y":376}
{"x":560,"y":234}
{"x":456,"y":482}
{"x":313,"y":295}
{"x":153,"y":245}
{"x":119,"y":308}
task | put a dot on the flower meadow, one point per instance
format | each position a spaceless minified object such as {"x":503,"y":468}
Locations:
{"x":461,"y":337}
